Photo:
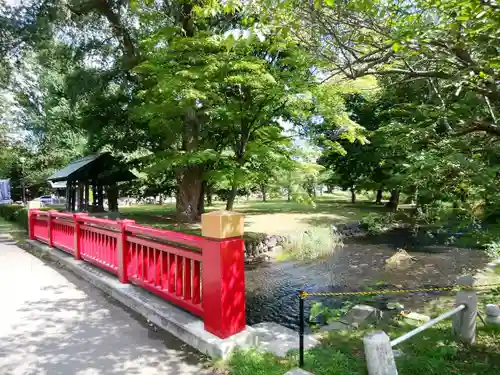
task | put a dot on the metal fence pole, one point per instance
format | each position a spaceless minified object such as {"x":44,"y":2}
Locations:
{"x":301,"y":330}
{"x":378,"y":354}
{"x":464,"y":322}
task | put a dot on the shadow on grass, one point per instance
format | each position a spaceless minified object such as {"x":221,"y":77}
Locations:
{"x":322,"y":207}
{"x":164,"y":216}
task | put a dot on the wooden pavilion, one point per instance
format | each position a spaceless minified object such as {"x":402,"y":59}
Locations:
{"x":99,"y":172}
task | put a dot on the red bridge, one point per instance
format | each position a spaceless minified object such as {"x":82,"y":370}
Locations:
{"x":204,"y":276}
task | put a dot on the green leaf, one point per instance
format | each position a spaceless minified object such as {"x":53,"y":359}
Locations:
{"x":396,"y":47}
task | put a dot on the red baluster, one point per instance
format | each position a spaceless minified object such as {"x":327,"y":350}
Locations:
{"x":50,"y":229}
{"x":123,"y":251}
{"x":196,"y":282}
{"x":171,"y":273}
{"x":178,"y":276}
{"x":187,"y":278}
{"x":164,"y":270}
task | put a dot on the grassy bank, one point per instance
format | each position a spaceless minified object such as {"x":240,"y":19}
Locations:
{"x":433,"y":352}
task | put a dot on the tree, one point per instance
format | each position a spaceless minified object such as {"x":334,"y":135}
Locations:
{"x":436,"y":63}
{"x":235,"y":94}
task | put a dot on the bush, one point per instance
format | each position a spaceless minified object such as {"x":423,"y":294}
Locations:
{"x":375,"y":223}
{"x":15,"y":213}
{"x":492,"y":249}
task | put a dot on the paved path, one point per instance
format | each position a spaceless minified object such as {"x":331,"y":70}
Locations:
{"x":51,"y":322}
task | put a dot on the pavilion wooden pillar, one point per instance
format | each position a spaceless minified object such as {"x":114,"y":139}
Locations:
{"x":73,"y":196}
{"x":81,"y":201}
{"x":94,"y":196}
{"x":68,"y":199}
{"x":100,"y":198}
{"x":87,"y":196}
{"x":112,"y":193}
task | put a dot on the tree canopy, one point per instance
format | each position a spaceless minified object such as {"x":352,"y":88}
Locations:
{"x":210,"y":96}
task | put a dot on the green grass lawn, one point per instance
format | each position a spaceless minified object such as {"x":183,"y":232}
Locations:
{"x":12,"y":229}
{"x":433,"y":352}
{"x":276,"y":216}
{"x":4,"y":225}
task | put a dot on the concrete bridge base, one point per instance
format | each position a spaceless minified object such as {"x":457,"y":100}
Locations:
{"x":181,"y":324}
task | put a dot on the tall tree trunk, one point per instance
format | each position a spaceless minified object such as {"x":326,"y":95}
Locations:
{"x":378,"y":200}
{"x":201,"y":201}
{"x":189,"y":179}
{"x":231,"y":197}
{"x":188,"y":193}
{"x":353,"y":195}
{"x":289,"y":193}
{"x":209,"y":195}
{"x":394,"y":200}
{"x":264,"y":192}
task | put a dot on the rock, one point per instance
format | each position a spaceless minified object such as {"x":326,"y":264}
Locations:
{"x":271,"y":242}
{"x":492,"y":310}
{"x":401,"y":259}
{"x":361,"y":315}
{"x":298,"y":371}
{"x":334,"y":326}
{"x":492,"y":314}
{"x":395,"y":306}
{"x":261,"y":248}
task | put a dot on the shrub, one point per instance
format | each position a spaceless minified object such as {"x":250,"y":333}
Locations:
{"x":375,"y":223}
{"x":15,"y":213}
{"x":492,"y":249}
{"x":21,"y":218}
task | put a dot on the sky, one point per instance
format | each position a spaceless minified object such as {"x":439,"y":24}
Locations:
{"x":12,"y":2}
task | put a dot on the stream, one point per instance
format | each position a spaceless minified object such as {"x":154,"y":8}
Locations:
{"x":272,"y":286}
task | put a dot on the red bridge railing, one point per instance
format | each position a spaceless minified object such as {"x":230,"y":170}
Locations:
{"x":202,"y":275}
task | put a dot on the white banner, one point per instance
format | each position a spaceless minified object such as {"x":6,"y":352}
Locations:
{"x":5,"y":197}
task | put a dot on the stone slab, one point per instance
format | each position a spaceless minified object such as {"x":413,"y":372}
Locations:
{"x":277,"y":339}
{"x":361,"y":315}
{"x":178,"y":322}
